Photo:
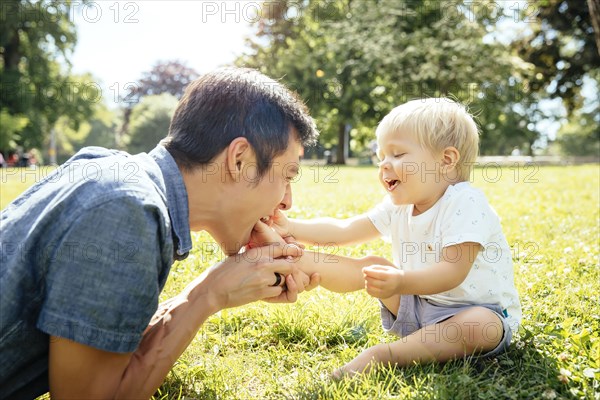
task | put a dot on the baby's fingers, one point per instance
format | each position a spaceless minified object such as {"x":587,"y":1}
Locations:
{"x":376,"y":271}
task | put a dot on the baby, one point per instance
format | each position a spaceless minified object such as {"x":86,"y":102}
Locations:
{"x":450,"y":291}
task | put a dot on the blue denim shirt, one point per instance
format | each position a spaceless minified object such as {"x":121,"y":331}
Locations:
{"x":84,"y":254}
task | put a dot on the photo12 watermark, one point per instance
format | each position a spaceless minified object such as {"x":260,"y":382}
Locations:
{"x":92,"y":12}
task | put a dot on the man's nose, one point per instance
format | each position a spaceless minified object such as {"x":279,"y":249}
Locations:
{"x":286,"y":202}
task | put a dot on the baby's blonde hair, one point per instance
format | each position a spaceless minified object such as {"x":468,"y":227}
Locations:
{"x":437,"y":123}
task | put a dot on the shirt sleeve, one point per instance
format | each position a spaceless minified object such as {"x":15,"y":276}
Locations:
{"x":102,"y":283}
{"x":468,"y":218}
{"x":381,"y":217}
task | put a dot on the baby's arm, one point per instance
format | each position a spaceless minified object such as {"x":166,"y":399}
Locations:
{"x":383,"y":281}
{"x":338,"y":273}
{"x":320,"y":231}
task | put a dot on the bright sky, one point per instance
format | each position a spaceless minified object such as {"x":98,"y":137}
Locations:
{"x":118,"y":41}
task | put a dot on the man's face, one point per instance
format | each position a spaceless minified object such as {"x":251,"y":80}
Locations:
{"x":255,"y":201}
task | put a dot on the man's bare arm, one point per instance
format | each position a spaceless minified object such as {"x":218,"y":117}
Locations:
{"x":80,"y":371}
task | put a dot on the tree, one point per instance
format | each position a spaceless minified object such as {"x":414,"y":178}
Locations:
{"x":170,"y":77}
{"x":103,"y":128}
{"x":580,"y":136}
{"x":165,"y":77}
{"x":594,"y":7}
{"x":149,"y":123}
{"x":12,"y":125}
{"x":98,"y":130}
{"x":352,"y":61}
{"x":34,"y":36}
{"x":302,"y":50}
{"x":562,"y":48}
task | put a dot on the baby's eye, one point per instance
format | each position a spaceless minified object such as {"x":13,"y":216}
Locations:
{"x":399,"y":155}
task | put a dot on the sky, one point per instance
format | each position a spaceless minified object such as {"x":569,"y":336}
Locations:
{"x":118,"y":41}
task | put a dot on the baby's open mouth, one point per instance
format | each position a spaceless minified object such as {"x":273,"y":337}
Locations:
{"x":391,"y":184}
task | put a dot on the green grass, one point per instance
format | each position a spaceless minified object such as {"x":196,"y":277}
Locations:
{"x":14,"y":181}
{"x":551,"y":218}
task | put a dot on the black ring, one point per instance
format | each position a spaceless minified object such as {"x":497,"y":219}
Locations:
{"x":277,"y":279}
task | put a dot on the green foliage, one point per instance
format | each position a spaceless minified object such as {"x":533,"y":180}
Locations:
{"x":149,"y":122}
{"x":165,"y":77}
{"x":10,"y":129}
{"x":98,"y":130}
{"x":581,"y":135}
{"x":34,"y":37}
{"x":353,"y":61}
{"x":561,"y":46}
{"x":103,"y":128}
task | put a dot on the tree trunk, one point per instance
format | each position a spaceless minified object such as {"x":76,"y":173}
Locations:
{"x":11,"y":75}
{"x":340,"y":156}
{"x":12,"y":53}
{"x":594,"y":6}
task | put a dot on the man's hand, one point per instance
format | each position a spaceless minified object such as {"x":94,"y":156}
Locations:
{"x":265,"y":235}
{"x":382,"y":281}
{"x":295,"y":284}
{"x":247,"y":277}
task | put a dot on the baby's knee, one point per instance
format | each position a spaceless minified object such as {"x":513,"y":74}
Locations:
{"x":382,"y":354}
{"x":482,"y":331}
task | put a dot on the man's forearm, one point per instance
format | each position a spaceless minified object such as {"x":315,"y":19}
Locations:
{"x":170,"y":331}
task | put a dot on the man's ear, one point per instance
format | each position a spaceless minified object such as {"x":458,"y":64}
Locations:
{"x":239,"y":155}
{"x":450,"y":157}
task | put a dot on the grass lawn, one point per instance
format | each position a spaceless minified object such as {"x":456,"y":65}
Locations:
{"x":551,"y":218}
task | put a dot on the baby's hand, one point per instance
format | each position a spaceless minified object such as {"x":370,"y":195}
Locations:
{"x":263,"y":235}
{"x":280,"y":223}
{"x":382,"y":281}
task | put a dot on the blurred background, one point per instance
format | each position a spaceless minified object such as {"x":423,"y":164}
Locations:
{"x":110,"y":73}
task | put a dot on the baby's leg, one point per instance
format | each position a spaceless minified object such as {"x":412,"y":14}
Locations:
{"x":473,"y":330}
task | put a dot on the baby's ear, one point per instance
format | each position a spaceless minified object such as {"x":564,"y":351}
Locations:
{"x":450,"y":157}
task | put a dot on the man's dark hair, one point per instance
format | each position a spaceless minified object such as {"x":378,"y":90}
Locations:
{"x":236,"y":102}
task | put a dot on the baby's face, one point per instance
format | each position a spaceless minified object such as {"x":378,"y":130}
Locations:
{"x":410,"y":173}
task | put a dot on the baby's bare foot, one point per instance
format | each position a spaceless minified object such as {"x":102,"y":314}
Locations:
{"x":343,"y":372}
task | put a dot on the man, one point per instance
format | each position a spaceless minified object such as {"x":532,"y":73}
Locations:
{"x":86,"y":252}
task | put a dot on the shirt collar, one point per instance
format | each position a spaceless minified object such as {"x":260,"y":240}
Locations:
{"x":177,"y":200}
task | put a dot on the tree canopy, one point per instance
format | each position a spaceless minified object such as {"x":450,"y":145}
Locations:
{"x":36,"y":40}
{"x":562,"y":48}
{"x":164,"y":77}
{"x":149,"y":122}
{"x":352,"y":61}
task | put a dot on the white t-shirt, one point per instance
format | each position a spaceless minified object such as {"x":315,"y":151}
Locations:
{"x":461,"y":215}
